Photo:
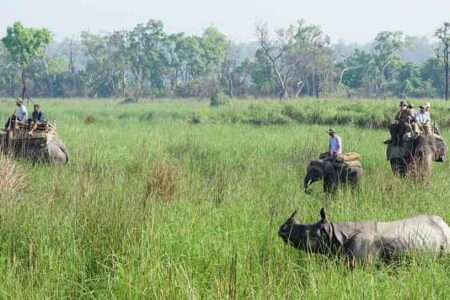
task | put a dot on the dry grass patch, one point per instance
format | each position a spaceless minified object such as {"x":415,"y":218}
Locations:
{"x":162,"y":183}
{"x":11,"y":176}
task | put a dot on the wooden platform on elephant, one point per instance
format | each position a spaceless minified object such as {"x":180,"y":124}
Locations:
{"x":22,"y":132}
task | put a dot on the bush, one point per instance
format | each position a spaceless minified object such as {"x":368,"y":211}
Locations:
{"x":146,"y":117}
{"x":90,"y":119}
{"x":129,"y":100}
{"x":201,"y":88}
{"x":219,"y":99}
{"x":195,"y":118}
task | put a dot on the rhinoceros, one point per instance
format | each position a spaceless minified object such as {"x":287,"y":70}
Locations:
{"x":367,"y":240}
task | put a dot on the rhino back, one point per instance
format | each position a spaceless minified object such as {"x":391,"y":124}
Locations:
{"x":420,"y":232}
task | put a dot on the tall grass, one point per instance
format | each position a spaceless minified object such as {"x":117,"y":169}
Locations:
{"x":152,"y":205}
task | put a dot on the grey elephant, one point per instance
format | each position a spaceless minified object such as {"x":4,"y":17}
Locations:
{"x":49,"y":149}
{"x":416,"y":154}
{"x":333,"y":174}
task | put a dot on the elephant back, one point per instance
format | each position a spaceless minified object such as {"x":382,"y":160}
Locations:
{"x":353,"y":164}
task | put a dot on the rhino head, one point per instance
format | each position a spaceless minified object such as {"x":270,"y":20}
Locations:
{"x":314,"y":238}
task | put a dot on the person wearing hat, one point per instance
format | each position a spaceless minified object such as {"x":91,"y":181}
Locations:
{"x":335,"y":144}
{"x":423,"y":119}
{"x":404,"y":118}
{"x":22,"y":114}
{"x":37,"y":117}
{"x":411,"y":109}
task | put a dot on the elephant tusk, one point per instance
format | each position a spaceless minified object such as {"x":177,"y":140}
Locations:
{"x":309,"y":182}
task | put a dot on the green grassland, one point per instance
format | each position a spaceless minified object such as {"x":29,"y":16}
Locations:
{"x":176,"y":199}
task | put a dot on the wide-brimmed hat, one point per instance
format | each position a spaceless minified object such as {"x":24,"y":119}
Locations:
{"x":427,"y":105}
{"x":331,"y":130}
{"x":423,"y":105}
{"x":19,"y":101}
{"x":403,"y":103}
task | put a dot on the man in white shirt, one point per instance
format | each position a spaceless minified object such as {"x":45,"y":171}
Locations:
{"x":335,"y":144}
{"x":423,"y":119}
{"x":22,"y":114}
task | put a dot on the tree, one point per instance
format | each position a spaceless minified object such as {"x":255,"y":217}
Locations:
{"x":356,"y":68}
{"x":431,"y":71}
{"x":96,"y":49}
{"x":147,"y":50}
{"x":263,"y":75}
{"x":443,"y":34}
{"x":385,"y":54}
{"x":24,"y":44}
{"x":407,"y":80}
{"x":275,"y":50}
{"x":310,"y":59}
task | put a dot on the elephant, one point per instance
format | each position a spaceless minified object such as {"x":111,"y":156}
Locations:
{"x":57,"y":151}
{"x":333,"y":174}
{"x":48,"y":149}
{"x":416,"y":154}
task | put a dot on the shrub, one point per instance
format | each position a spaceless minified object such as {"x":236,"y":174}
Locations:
{"x":201,"y":88}
{"x":219,"y":99}
{"x":146,"y":116}
{"x":195,"y":118}
{"x":129,"y":100}
{"x":90,"y":119}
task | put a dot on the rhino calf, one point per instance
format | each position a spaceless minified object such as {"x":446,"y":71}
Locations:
{"x":366,"y":240}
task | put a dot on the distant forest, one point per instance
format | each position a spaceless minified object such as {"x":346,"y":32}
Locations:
{"x":148,"y":62}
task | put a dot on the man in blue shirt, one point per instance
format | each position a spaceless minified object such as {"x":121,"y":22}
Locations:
{"x":37,"y":117}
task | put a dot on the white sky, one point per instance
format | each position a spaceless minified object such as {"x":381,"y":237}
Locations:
{"x":350,"y":20}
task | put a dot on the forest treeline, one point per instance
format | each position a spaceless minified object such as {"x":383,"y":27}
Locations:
{"x":147,"y":61}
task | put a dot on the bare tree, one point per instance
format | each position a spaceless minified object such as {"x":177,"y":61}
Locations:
{"x":443,"y":34}
{"x":274,"y":50}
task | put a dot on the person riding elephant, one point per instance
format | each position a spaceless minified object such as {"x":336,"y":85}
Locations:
{"x":332,"y":174}
{"x":403,"y":118}
{"x":417,"y":155}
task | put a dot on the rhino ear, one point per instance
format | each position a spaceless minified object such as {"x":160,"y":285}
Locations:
{"x":322,"y":214}
{"x":347,"y":239}
{"x":293,"y":215}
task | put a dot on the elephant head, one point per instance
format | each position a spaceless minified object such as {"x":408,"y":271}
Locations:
{"x":57,"y":151}
{"x":317,"y":170}
{"x":424,"y":155}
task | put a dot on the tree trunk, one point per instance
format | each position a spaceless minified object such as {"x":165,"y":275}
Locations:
{"x":24,"y":86}
{"x":230,"y":85}
{"x":300,"y":85}
{"x":446,"y":54}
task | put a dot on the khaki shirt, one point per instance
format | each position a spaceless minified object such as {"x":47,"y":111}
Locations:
{"x":403,"y":116}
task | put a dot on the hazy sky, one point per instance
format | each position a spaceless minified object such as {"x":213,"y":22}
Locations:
{"x":350,"y":20}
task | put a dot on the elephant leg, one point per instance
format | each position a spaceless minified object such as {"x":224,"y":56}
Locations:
{"x":329,"y":186}
{"x":399,"y":166}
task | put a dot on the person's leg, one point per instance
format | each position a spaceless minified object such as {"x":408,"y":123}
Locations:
{"x":33,"y":126}
{"x":8,"y":123}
